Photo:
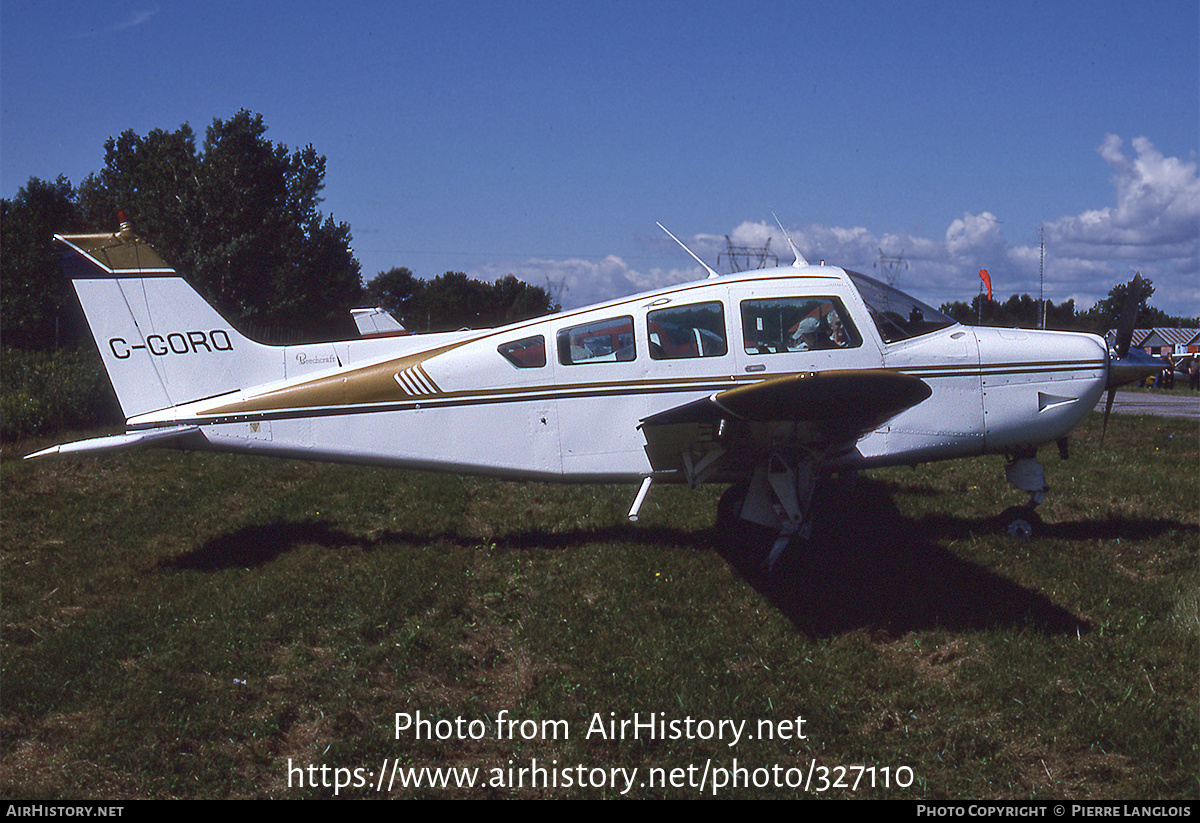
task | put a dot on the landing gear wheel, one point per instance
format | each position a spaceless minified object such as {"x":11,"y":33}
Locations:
{"x":1021,"y":522}
{"x":729,"y":509}
{"x":742,"y":543}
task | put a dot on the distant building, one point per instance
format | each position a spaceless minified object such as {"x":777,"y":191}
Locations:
{"x":1161,"y":341}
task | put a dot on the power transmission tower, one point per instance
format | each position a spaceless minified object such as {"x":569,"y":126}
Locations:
{"x":556,"y":289}
{"x":742,"y":258}
{"x":890,"y":266}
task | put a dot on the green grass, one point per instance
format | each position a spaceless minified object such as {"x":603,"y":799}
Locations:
{"x":186,"y":625}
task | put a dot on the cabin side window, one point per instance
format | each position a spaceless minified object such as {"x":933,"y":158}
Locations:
{"x":527,"y":353}
{"x":687,"y":331}
{"x":604,"y":341}
{"x":792,"y":324}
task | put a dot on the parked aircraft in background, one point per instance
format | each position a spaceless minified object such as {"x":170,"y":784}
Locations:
{"x":765,"y":379}
{"x":376,"y":322}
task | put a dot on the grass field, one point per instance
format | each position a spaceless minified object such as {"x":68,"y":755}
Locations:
{"x":208,"y":626}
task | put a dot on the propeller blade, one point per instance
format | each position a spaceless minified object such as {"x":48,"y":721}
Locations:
{"x":1128,"y":316}
{"x":1127,"y":366}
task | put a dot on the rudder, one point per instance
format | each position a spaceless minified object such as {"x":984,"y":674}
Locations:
{"x":161,"y":343}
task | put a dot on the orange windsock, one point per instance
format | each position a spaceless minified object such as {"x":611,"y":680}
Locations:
{"x":987,"y":281}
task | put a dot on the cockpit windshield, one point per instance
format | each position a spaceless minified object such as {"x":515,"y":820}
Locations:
{"x":897,"y":316}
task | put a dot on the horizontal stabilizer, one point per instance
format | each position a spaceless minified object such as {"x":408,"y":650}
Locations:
{"x":183,"y":437}
{"x":377,"y":322}
{"x":117,"y":254}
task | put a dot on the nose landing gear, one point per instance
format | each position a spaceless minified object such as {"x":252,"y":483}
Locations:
{"x":1026,"y":473}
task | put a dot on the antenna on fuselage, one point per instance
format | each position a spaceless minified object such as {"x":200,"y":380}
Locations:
{"x":707,"y":268}
{"x":799,"y":261}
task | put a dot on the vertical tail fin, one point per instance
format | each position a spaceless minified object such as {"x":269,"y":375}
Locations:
{"x":161,"y":343}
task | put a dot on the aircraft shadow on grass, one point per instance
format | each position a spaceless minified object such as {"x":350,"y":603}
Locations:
{"x":867,"y":566}
{"x":864,"y":566}
{"x":259,"y":544}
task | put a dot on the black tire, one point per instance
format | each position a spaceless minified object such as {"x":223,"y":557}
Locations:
{"x":1021,"y":522}
{"x":729,"y":507}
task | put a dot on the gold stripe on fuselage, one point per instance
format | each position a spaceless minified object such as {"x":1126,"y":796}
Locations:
{"x":377,"y":383}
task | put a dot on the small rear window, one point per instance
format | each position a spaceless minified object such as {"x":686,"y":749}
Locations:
{"x":527,"y":353}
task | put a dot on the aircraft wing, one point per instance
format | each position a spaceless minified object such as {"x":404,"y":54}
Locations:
{"x":816,"y":411}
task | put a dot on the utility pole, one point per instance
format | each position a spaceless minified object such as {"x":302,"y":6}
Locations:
{"x":1042,"y":272}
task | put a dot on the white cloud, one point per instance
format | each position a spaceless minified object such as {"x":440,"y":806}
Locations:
{"x":130,"y":19}
{"x":590,"y":281}
{"x":1158,"y":205}
{"x":972,"y":234}
{"x":1153,"y":227}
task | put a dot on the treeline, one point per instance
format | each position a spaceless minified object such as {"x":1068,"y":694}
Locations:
{"x":1025,"y":311}
{"x":239,"y":216}
{"x":454,"y":301}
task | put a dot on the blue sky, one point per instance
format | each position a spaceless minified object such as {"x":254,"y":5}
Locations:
{"x":545,"y":139}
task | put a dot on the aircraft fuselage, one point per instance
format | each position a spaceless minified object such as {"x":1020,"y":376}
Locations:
{"x":560,"y":398}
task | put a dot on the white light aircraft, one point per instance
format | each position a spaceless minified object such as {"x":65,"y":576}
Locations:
{"x":766,"y":379}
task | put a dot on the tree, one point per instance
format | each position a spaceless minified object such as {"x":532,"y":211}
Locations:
{"x":240,"y":218}
{"x":1105,"y":313}
{"x":519,"y":300}
{"x":1022,"y":311}
{"x":454,"y":301}
{"x":392,"y":290}
{"x":36,"y":311}
{"x":154,"y":179}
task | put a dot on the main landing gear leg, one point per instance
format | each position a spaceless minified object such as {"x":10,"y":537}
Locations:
{"x":780,"y":496}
